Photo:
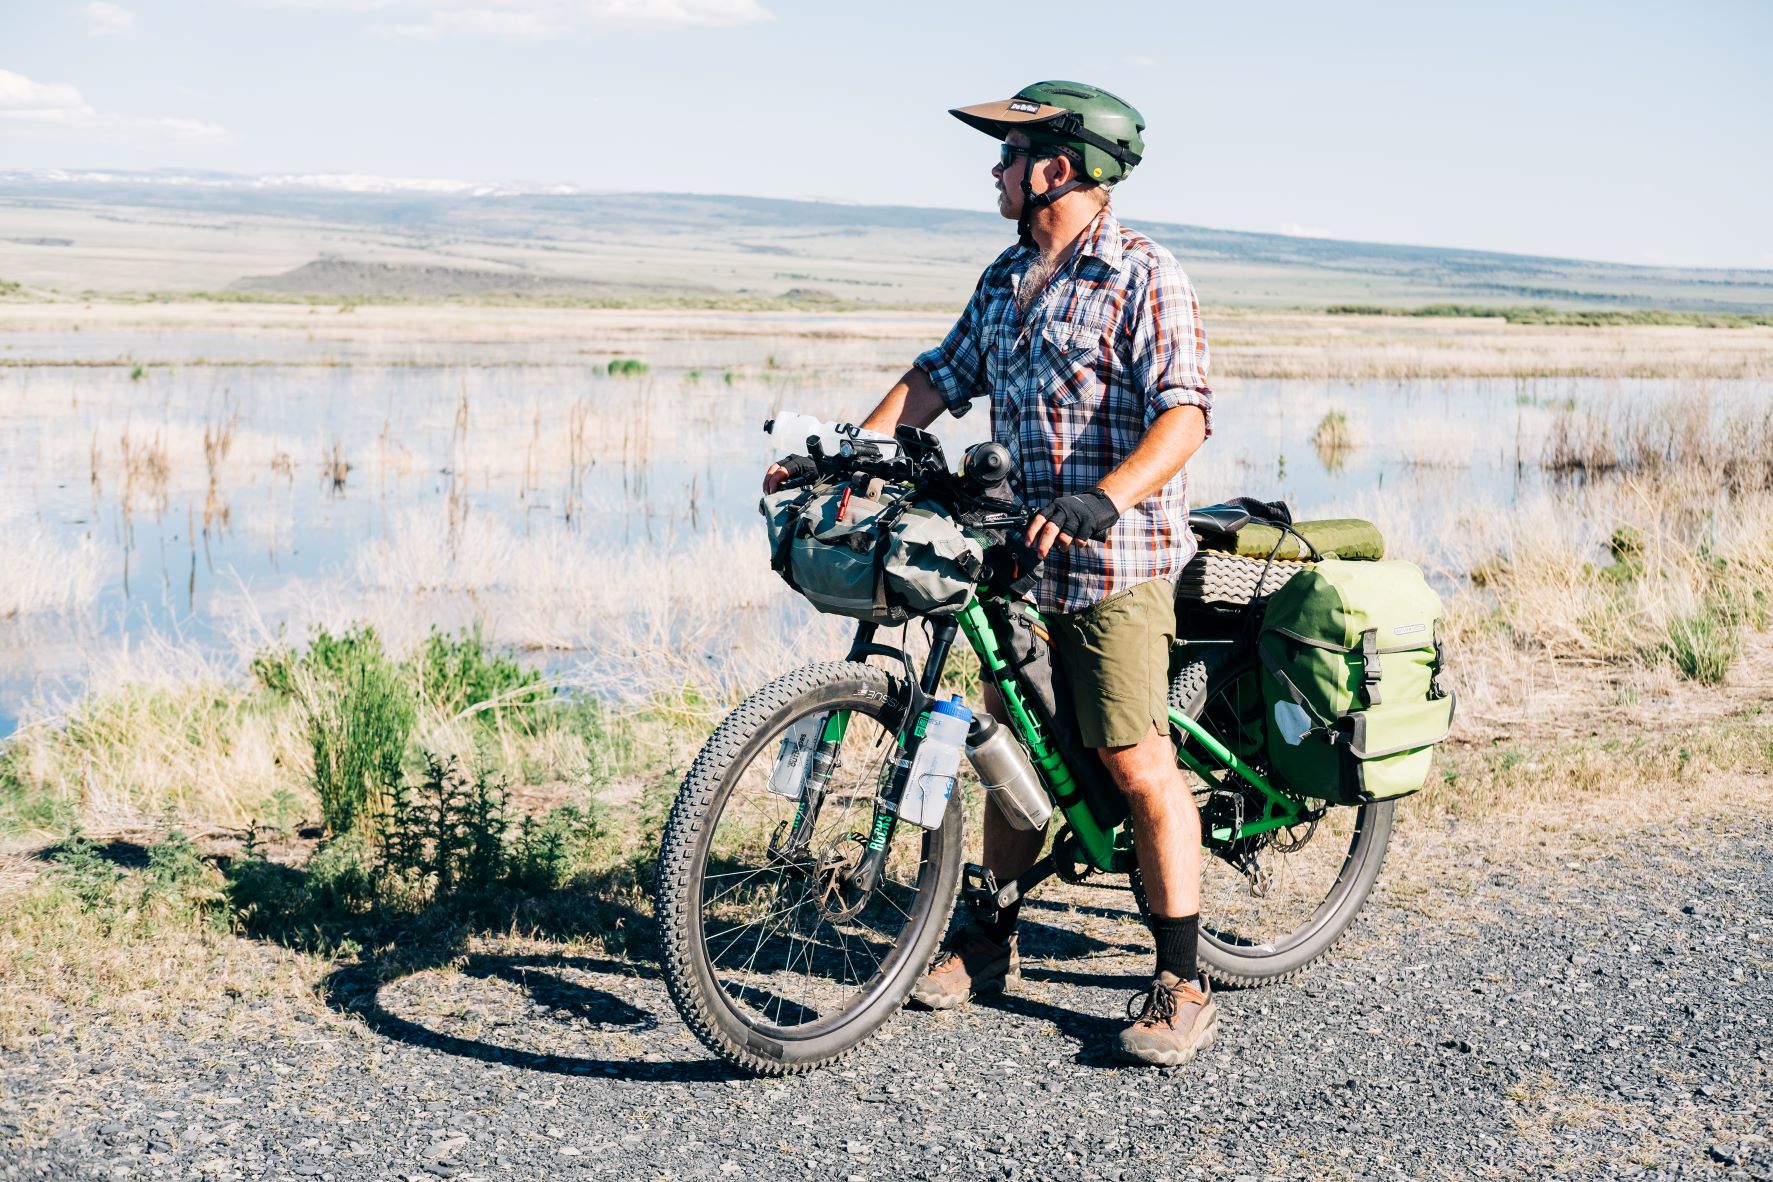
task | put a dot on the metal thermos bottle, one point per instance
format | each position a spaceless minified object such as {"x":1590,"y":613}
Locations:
{"x":1008,"y":777}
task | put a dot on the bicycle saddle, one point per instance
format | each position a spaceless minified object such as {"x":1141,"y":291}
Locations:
{"x":1217,"y":519}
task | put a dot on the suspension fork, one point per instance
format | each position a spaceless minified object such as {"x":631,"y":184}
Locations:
{"x":872,"y":866}
{"x":824,"y":759}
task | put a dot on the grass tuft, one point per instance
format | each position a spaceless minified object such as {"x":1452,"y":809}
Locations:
{"x":1703,"y":645}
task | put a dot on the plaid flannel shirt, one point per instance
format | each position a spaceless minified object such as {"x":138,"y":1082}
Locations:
{"x":1114,"y":341}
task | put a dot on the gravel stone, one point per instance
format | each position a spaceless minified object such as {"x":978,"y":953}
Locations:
{"x":1607,"y":1019}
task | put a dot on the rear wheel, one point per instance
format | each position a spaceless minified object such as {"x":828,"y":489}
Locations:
{"x":1274,"y":903}
{"x":775,"y":962}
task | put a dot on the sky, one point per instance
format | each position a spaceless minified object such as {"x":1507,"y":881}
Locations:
{"x":1620,"y":131}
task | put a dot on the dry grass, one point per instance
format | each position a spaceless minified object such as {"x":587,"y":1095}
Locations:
{"x":1688,"y":435}
{"x":1267,"y":345}
{"x":1245,"y":343}
{"x":44,"y":576}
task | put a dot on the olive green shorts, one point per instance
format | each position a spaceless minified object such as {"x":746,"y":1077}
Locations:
{"x":1115,"y":658}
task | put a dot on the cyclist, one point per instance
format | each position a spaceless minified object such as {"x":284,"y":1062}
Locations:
{"x":1086,"y":338}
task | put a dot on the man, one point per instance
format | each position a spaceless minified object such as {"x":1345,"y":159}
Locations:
{"x":1086,"y":338}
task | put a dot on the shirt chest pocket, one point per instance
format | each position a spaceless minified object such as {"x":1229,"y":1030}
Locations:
{"x":1071,"y":368}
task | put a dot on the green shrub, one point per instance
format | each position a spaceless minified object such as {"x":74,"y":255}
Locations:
{"x":458,"y":672}
{"x":341,"y":875}
{"x":1333,"y":440}
{"x":445,"y":833}
{"x":545,"y":852}
{"x":90,"y":877}
{"x":626,"y":367}
{"x":180,"y":884}
{"x":358,"y":711}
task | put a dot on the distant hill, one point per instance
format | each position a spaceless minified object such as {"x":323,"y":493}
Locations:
{"x":276,"y":237}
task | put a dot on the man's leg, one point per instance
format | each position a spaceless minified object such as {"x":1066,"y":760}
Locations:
{"x":980,"y":955}
{"x":1179,"y":1017}
{"x":1166,"y":825}
{"x":1116,"y":657}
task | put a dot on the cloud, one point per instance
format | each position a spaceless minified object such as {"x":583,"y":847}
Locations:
{"x":108,"y":20}
{"x":542,"y":20}
{"x":57,"y":109}
{"x":1295,"y":230}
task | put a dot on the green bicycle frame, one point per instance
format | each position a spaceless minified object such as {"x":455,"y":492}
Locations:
{"x":1100,"y":848}
{"x":1097,"y":845}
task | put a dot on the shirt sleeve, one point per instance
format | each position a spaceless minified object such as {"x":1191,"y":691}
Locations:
{"x":1169,"y":346}
{"x":956,"y":367}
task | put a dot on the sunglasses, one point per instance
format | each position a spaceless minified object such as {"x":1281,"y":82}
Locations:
{"x":1007,"y":153}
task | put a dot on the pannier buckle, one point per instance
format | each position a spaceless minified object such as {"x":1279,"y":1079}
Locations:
{"x":1370,"y":671}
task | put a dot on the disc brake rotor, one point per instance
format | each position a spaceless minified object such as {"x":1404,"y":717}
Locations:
{"x":837,"y":898}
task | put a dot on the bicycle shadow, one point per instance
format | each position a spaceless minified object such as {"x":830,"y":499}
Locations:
{"x":358,"y":990}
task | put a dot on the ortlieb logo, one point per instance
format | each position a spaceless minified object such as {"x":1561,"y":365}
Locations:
{"x":1407,"y":629}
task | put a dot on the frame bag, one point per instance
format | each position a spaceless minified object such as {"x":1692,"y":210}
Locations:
{"x":879,"y":560}
{"x":1352,"y":682}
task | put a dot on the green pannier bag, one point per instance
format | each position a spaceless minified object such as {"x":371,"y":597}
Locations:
{"x":1351,"y":681}
{"x":879,"y":560}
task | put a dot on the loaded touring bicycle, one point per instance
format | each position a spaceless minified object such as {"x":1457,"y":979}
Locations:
{"x":814,"y":853}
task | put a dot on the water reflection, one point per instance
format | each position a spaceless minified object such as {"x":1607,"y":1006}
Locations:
{"x":544,"y":491}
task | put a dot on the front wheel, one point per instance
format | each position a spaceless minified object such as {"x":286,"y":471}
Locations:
{"x":1275,"y":903}
{"x":775,"y":961}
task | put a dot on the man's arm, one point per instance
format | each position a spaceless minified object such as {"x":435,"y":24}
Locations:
{"x":1164,"y":450}
{"x":1167,"y":446}
{"x":914,"y":399}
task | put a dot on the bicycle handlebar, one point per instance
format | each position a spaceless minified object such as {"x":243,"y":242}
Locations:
{"x":916,"y":459}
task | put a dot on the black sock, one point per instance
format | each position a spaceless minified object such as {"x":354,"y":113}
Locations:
{"x":1004,"y":926}
{"x":1176,"y":939}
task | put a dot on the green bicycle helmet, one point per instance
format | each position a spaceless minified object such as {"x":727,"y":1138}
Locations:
{"x":1100,"y":127}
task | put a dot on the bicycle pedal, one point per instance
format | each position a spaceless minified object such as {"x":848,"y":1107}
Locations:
{"x":979,"y":888}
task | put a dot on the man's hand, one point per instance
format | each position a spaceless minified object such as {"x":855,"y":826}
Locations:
{"x":787,"y":468}
{"x":1073,"y":519}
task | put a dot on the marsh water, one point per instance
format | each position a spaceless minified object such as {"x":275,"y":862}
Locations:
{"x":204,"y":489}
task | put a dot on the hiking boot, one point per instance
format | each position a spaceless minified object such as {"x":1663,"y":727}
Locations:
{"x":1178,"y":1020}
{"x":971,"y":962}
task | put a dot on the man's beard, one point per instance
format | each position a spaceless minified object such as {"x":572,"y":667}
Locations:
{"x":1034,"y":280}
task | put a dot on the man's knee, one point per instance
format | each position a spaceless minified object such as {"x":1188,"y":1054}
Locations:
{"x":1144,"y":770}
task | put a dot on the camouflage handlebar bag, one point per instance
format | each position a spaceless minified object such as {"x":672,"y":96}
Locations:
{"x":879,"y":559}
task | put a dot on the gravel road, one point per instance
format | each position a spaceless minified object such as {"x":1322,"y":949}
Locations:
{"x":1602,"y":1011}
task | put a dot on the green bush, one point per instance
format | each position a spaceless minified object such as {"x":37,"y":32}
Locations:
{"x":181,"y":884}
{"x":90,"y":877}
{"x":626,"y":367}
{"x":358,"y":711}
{"x":458,"y":672}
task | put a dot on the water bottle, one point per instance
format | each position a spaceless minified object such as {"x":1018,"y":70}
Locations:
{"x":933,"y":768}
{"x":795,"y":756}
{"x":1009,"y":778}
{"x":791,"y":431}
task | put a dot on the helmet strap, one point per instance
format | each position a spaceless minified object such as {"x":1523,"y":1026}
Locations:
{"x":1032,"y":201}
{"x":1025,"y":221}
